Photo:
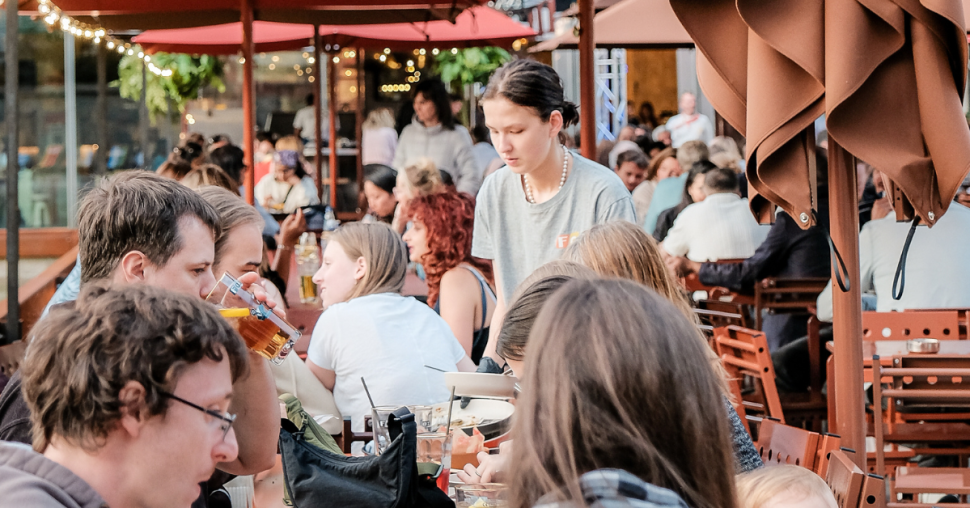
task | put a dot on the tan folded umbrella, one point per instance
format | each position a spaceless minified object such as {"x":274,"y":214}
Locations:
{"x":889,"y":74}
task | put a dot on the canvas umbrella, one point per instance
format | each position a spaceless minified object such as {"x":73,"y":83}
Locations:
{"x":888,"y":74}
{"x":630,"y":24}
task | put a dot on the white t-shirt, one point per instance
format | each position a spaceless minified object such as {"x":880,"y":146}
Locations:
{"x":305,"y":121}
{"x":684,"y":128}
{"x":387,"y":339}
{"x":720,"y":227}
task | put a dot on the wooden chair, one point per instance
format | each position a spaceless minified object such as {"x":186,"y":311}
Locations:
{"x":927,"y":395}
{"x":809,"y":409}
{"x":873,"y":492}
{"x":348,"y":437}
{"x":845,"y":479}
{"x":744,"y":352}
{"x":716,"y":313}
{"x":940,"y":325}
{"x":827,"y":444}
{"x":782,"y":294}
{"x":781,"y":444}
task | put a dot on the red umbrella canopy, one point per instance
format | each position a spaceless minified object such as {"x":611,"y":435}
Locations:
{"x":158,"y":14}
{"x":888,"y":74}
{"x":226,"y":39}
{"x":478,"y":26}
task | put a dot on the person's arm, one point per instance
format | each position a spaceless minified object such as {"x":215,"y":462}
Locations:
{"x":458,"y":297}
{"x":496,"y":324}
{"x":290,"y":230}
{"x":327,"y":377}
{"x":677,"y":242}
{"x":469,"y":175}
{"x":767,"y":260}
{"x":466,"y":365}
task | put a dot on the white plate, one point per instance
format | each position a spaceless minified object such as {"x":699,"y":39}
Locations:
{"x":477,"y":411}
{"x":475,"y":384}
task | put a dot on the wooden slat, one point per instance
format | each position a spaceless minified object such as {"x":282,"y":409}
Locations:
{"x":35,"y":293}
{"x":41,"y":242}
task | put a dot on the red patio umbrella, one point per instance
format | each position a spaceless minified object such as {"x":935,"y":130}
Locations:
{"x":226,"y":39}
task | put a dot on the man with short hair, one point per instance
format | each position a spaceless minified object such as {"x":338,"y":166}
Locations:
{"x":139,"y":228}
{"x":129,"y":392}
{"x":631,"y":167}
{"x":720,"y":227}
{"x":689,"y":125}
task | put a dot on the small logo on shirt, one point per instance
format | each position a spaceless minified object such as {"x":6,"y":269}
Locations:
{"x":562,"y":241}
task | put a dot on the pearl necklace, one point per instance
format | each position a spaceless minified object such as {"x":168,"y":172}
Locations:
{"x":562,"y":181}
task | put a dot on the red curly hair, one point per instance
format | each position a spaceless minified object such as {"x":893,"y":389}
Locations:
{"x":449,"y":218}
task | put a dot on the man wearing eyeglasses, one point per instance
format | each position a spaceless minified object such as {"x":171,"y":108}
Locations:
{"x":128,"y":391}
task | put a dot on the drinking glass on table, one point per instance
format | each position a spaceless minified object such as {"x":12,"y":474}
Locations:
{"x":378,"y":422}
{"x":263,"y":330}
{"x":483,"y":495}
{"x":434,"y":454}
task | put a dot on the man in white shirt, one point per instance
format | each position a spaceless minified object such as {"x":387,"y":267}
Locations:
{"x":689,"y":125}
{"x":937,"y":272}
{"x":720,"y":227}
{"x":304,"y":124}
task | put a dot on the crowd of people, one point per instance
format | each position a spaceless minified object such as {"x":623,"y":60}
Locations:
{"x":555,"y":268}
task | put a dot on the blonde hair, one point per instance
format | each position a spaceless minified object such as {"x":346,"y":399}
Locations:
{"x":624,"y":250}
{"x":611,"y":384}
{"x":377,"y":118}
{"x":233,"y":212}
{"x":420,"y":178}
{"x":383,"y":251}
{"x":758,"y":487}
{"x":290,"y":142}
{"x":726,"y":160}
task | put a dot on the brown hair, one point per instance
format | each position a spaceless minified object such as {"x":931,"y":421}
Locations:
{"x":174,"y":168}
{"x":657,"y":160}
{"x":534,"y":85}
{"x":384,"y":252}
{"x":528,"y":299}
{"x":81,"y":356}
{"x":233,"y":213}
{"x":635,"y":156}
{"x":757,"y":487}
{"x":210,"y":174}
{"x":612,"y":384}
{"x":290,"y":142}
{"x":135,"y":210}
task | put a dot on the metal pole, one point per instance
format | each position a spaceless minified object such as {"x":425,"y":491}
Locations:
{"x":361,"y":105}
{"x":318,"y":113}
{"x":249,"y":109}
{"x":332,"y":108}
{"x":70,"y":126}
{"x":11,"y":103}
{"x":587,"y":80}
{"x":847,"y":306}
{"x":101,"y":111}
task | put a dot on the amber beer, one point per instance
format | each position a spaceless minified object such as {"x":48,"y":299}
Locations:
{"x":261,"y":335}
{"x":308,"y":289}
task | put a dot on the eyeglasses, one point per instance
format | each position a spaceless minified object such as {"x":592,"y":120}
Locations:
{"x":226,"y":418}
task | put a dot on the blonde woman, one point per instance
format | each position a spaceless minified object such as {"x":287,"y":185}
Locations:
{"x":784,"y":486}
{"x":623,"y":250}
{"x":614,"y":411}
{"x":379,"y":140}
{"x":370,"y":331}
{"x":420,"y":178}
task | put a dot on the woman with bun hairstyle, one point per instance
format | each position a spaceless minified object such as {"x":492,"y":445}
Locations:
{"x":544,"y":196}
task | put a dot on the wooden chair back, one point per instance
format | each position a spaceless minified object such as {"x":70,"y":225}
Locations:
{"x":781,"y":444}
{"x":744,"y":352}
{"x":845,"y":479}
{"x":348,"y":437}
{"x":785,"y":294}
{"x":940,"y":325}
{"x":11,"y":356}
{"x":717,"y":313}
{"x":873,"y":492}
{"x":827,"y":444}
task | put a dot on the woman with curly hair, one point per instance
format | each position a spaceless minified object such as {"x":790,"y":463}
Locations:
{"x":459,"y":285}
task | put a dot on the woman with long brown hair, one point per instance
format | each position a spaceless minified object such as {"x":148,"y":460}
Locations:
{"x":459,"y":285}
{"x":631,"y":419}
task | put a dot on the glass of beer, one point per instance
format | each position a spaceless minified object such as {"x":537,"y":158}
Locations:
{"x":263,"y":330}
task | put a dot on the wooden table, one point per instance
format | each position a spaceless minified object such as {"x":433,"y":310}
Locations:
{"x":886,"y":349}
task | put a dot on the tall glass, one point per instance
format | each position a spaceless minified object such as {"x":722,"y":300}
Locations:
{"x":382,"y":436}
{"x":435,"y":448}
{"x":263,"y":331}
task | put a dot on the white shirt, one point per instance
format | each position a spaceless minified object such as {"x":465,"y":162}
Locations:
{"x":684,"y":128}
{"x":720,"y":227}
{"x":937,"y":271}
{"x":292,"y":196}
{"x":304,"y":120}
{"x":387,"y":339}
{"x":378,"y":146}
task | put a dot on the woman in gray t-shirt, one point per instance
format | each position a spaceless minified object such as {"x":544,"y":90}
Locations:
{"x":528,"y":211}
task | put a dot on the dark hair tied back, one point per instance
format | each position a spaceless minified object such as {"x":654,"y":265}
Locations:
{"x":532,"y":84}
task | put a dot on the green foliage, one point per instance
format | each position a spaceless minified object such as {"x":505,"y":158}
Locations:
{"x":189,"y":75}
{"x":471,"y":65}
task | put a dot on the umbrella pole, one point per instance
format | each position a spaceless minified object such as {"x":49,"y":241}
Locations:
{"x":361,"y":104}
{"x":249,"y":110}
{"x":332,"y":108}
{"x":847,"y":306}
{"x":587,"y":80}
{"x":13,"y":165}
{"x":317,"y":114}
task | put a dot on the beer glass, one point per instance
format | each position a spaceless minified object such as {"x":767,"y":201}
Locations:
{"x":263,"y":330}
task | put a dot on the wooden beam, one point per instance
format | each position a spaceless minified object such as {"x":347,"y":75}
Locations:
{"x":41,"y":242}
{"x":248,"y":101}
{"x":587,"y":80}
{"x":35,"y":293}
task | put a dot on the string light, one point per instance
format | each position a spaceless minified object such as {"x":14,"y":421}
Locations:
{"x":54,"y":16}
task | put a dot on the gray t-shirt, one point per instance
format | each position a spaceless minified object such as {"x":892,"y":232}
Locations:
{"x":519,"y":236}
